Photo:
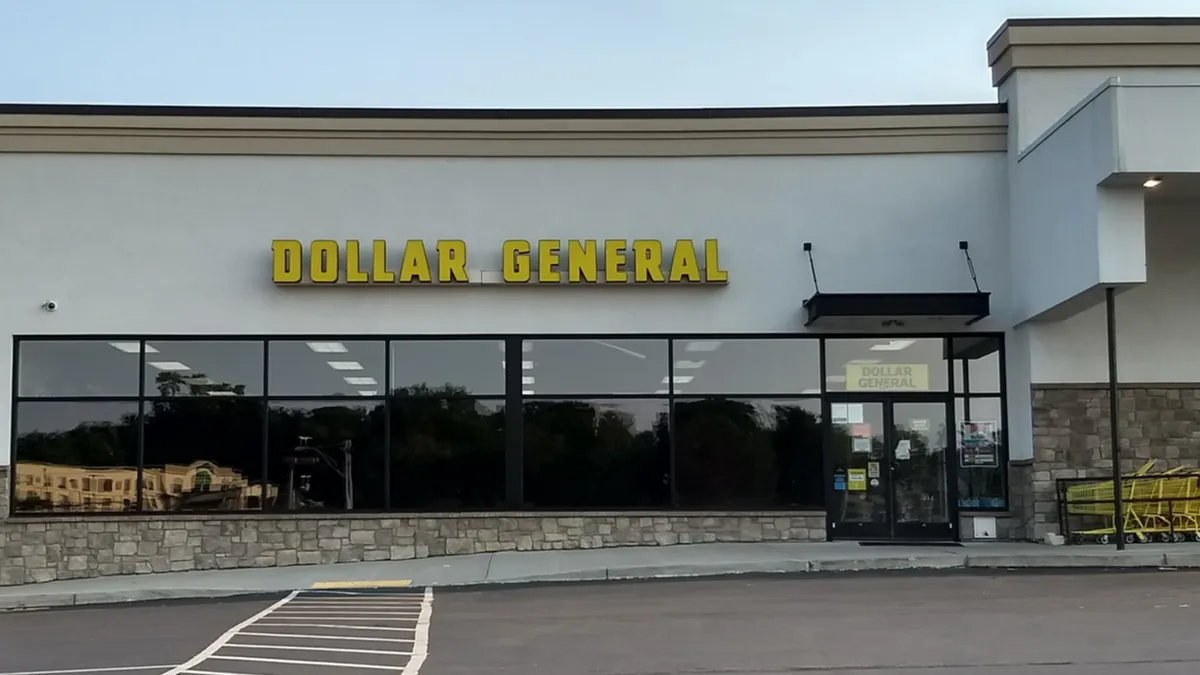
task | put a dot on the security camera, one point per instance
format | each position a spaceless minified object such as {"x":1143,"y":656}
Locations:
{"x":50,"y":305}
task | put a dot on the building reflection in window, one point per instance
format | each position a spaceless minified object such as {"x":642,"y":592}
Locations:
{"x":981,"y":358}
{"x":326,"y":455}
{"x":447,"y":452}
{"x":597,"y":453}
{"x":747,"y":454}
{"x":75,"y":457}
{"x":203,"y":454}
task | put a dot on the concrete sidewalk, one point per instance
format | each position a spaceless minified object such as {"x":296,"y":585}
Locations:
{"x":694,"y":560}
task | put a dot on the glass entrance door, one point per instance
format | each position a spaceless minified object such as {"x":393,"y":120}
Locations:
{"x":891,"y":475}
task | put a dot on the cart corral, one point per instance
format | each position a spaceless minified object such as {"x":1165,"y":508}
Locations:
{"x":1155,"y":506}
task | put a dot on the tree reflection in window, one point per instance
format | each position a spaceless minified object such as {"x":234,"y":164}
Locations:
{"x":447,"y":449}
{"x":597,"y":454}
{"x":747,"y":453}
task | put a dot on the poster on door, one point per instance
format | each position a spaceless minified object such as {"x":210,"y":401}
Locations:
{"x":979,"y":445}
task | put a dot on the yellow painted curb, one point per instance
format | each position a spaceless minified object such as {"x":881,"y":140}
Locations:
{"x":396,"y":583}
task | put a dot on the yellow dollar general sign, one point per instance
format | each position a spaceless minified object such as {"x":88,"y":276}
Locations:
{"x":885,"y":377}
{"x":546,"y":261}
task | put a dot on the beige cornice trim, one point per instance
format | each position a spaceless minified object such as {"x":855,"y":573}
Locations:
{"x":1093,"y":44}
{"x":979,"y":129}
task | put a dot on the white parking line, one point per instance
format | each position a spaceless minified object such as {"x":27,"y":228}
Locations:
{"x":421,"y":636}
{"x":326,"y":617}
{"x":341,"y":604}
{"x":297,"y":662}
{"x":226,"y":637}
{"x":309,"y":636}
{"x":268,"y":624}
{"x":210,"y":672}
{"x":341,"y":610}
{"x":114,"y":669}
{"x":306,"y":648}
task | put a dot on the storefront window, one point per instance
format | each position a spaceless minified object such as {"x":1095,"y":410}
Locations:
{"x":976,"y":365}
{"x":982,"y":457}
{"x":596,"y":454}
{"x":326,"y":368}
{"x":78,"y":368}
{"x":447,"y":454}
{"x":763,"y":367}
{"x":204,"y":368}
{"x":447,"y":368}
{"x":325,"y":456}
{"x":748,"y":454}
{"x":617,"y":423}
{"x":595,"y":367}
{"x":70,"y":456}
{"x":202,"y":454}
{"x":886,"y":365}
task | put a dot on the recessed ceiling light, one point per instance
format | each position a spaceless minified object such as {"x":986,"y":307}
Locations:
{"x":132,"y":347}
{"x":893,"y":346}
{"x":660,"y":392}
{"x":527,"y":392}
{"x":360,"y":381}
{"x":327,"y":347}
{"x":368,"y":392}
{"x":688,"y":365}
{"x":835,"y":378}
{"x":525,"y":365}
{"x":679,"y":379}
{"x":702,"y":346}
{"x":221,"y":393}
{"x":1152,"y":182}
{"x":169,"y":365}
{"x":527,"y":380}
{"x":345,"y":365}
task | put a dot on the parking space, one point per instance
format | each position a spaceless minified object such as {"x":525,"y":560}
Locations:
{"x":321,"y":632}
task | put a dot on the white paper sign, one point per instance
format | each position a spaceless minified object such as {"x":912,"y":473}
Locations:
{"x":903,"y":450}
{"x":862,"y":445}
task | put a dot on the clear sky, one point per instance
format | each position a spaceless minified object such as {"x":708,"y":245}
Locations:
{"x":514,"y":53}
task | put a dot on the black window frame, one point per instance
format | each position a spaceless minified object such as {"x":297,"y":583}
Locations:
{"x":512,"y":397}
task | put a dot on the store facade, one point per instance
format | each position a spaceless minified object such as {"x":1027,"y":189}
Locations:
{"x":248,"y":337}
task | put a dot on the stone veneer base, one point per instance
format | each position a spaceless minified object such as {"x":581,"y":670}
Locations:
{"x":44,"y":549}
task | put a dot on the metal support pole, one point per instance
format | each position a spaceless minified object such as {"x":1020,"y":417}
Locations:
{"x":1114,"y":415}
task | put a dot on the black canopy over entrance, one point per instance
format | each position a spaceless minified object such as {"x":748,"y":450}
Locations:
{"x":892,"y":309}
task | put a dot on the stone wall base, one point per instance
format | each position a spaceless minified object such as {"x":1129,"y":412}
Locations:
{"x":1072,"y":439}
{"x":47,"y":549}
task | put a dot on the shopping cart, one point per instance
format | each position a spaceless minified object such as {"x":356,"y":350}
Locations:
{"x":1163,"y":506}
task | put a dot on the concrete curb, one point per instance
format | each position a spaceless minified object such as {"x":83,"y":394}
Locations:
{"x":1091,"y":561}
{"x":54,"y":600}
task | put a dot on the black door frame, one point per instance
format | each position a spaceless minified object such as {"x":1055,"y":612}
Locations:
{"x":891,"y":530}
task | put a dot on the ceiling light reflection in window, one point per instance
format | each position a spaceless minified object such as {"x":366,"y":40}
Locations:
{"x":327,"y":347}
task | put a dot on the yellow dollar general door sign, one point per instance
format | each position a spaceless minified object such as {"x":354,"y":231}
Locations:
{"x":887,"y":377}
{"x":858,"y":480}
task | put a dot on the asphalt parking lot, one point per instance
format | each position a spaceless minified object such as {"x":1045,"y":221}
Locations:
{"x":975,"y":624}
